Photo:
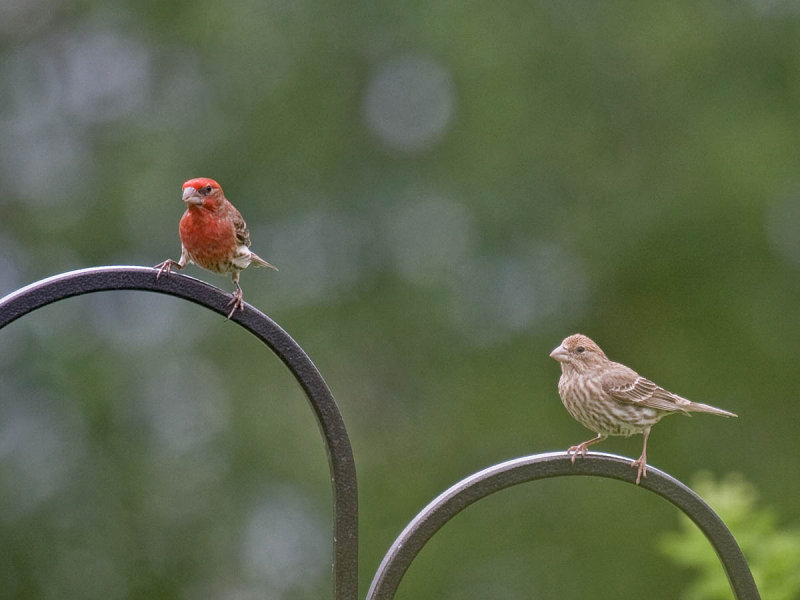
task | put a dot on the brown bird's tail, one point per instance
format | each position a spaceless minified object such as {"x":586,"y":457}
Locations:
{"x":699,"y":407}
{"x":260,"y":262}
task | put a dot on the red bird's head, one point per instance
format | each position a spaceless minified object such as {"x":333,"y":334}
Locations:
{"x":204,"y":192}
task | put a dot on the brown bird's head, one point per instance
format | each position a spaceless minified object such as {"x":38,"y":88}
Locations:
{"x":579,"y":353}
{"x":203,"y":192}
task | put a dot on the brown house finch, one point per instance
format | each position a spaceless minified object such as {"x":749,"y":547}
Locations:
{"x":214,"y":236}
{"x":612,"y":399}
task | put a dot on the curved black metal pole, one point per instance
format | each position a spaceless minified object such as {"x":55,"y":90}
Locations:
{"x":557,"y":464}
{"x":337,"y":442}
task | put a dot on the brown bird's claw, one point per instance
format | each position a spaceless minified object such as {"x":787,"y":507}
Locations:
{"x":641,"y":463}
{"x":581,"y":449}
{"x":236,"y":302}
{"x":164,"y":267}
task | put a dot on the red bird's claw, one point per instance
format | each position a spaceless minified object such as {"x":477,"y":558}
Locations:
{"x":164,"y":267}
{"x":237,"y":302}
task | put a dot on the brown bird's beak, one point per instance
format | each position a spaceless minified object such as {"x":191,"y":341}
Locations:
{"x":560,"y":354}
{"x":190,"y":196}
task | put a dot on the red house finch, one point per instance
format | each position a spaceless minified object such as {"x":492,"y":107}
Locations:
{"x":612,"y":399}
{"x":214,"y":236}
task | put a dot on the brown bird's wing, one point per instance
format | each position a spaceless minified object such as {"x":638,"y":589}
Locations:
{"x":239,"y":226}
{"x":243,"y":238}
{"x":626,"y":386}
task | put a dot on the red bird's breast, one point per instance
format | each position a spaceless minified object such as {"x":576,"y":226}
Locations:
{"x":209,"y":240}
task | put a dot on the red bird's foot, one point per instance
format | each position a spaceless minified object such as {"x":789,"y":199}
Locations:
{"x":641,"y":463}
{"x":581,"y":449}
{"x":236,"y":302}
{"x":166,"y":267}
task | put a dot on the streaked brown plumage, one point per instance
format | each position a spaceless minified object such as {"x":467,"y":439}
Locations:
{"x":611,"y":399}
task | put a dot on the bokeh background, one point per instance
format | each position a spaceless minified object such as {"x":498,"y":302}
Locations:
{"x":449,"y":189}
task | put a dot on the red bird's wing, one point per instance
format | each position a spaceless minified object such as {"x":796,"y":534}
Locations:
{"x":240,"y":227}
{"x":629,"y":388}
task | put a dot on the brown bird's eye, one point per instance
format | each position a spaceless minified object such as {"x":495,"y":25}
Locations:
{"x":580,"y":349}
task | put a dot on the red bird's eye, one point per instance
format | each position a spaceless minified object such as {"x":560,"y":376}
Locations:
{"x":207,"y":189}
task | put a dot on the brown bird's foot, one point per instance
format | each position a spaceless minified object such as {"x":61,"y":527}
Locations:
{"x":166,"y":267}
{"x":581,"y":449}
{"x":641,"y":463}
{"x":236,"y":302}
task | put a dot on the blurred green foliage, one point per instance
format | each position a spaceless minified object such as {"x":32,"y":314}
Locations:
{"x":449,"y":189}
{"x":772,"y":551}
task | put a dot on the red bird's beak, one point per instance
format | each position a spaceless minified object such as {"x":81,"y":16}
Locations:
{"x":560,"y":354}
{"x":190,"y":196}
